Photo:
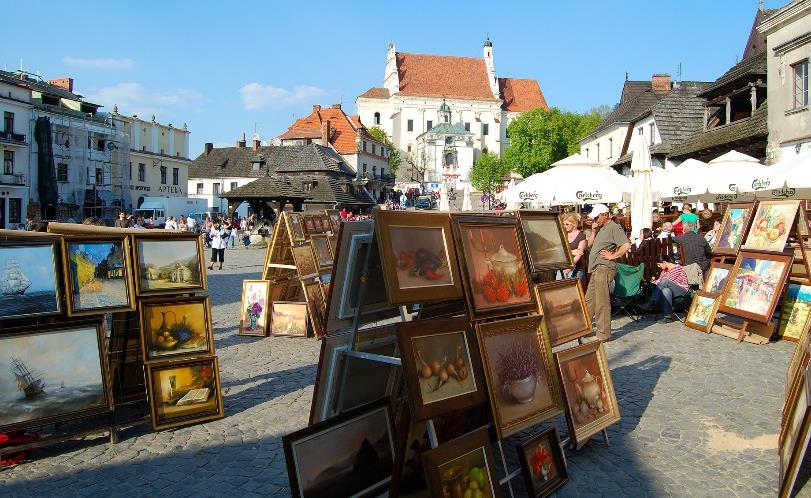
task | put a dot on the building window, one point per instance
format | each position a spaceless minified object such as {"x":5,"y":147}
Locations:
{"x":8,"y":122}
{"x":374,"y":149}
{"x":163,"y":175}
{"x":141,"y":172}
{"x":130,"y":170}
{"x":8,"y":162}
{"x":448,"y":140}
{"x":467,"y":126}
{"x":215,"y":188}
{"x":99,"y":176}
{"x":410,"y":125}
{"x":377,"y":118}
{"x":15,"y":208}
{"x":639,"y":131}
{"x":233,"y":185}
{"x":200,"y":188}
{"x":598,"y":152}
{"x":800,"y":84}
{"x":364,"y":146}
{"x":100,"y":144}
{"x":364,"y":167}
{"x":382,"y":172}
{"x":62,"y":172}
{"x":409,"y":148}
{"x":652,"y":132}
{"x":429,"y":124}
{"x":175,"y":176}
{"x":610,"y":148}
{"x":587,"y":152}
{"x":485,"y":129}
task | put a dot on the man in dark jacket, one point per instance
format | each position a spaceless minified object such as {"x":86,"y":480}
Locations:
{"x":695,"y":247}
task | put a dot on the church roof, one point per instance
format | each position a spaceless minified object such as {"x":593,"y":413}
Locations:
{"x":449,"y":129}
{"x":375,"y":93}
{"x":521,"y":95}
{"x":344,"y":129}
{"x":443,"y":76}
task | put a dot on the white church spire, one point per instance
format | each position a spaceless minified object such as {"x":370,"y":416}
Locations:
{"x":491,"y":68}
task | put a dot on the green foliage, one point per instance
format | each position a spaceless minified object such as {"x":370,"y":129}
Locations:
{"x":602,"y":110}
{"x":539,"y":137}
{"x":394,"y":154}
{"x":488,"y":172}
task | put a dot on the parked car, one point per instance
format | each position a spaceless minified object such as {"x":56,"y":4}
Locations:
{"x":425,"y":202}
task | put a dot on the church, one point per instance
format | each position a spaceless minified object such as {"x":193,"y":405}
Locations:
{"x":443,"y":112}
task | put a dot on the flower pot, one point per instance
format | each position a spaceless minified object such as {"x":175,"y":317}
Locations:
{"x":523,"y":390}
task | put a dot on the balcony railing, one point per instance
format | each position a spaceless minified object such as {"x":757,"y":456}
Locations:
{"x":10,"y":137}
{"x":12,"y":180}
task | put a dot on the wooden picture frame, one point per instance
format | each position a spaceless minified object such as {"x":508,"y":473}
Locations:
{"x":545,"y":242}
{"x":734,"y":227}
{"x":426,"y":343}
{"x":191,"y":317}
{"x":289,"y":318}
{"x":82,"y":271}
{"x":716,"y":279}
{"x":543,"y":463}
{"x":794,"y":433}
{"x":170,"y":277}
{"x":493,"y":265}
{"x":172,"y":405}
{"x":771,"y":225}
{"x":448,"y":464}
{"x":295,"y":227}
{"x":334,"y":219}
{"x":702,"y":311}
{"x":316,"y":305}
{"x":43,"y":360}
{"x":255,"y":303}
{"x":753,"y":264}
{"x":30,"y":296}
{"x":418,"y":256}
{"x":581,"y":388}
{"x":305,"y":261}
{"x":322,"y":253}
{"x":319,"y":460}
{"x":799,"y":358}
{"x":794,"y":311}
{"x":513,"y":348}
{"x":563,"y":306}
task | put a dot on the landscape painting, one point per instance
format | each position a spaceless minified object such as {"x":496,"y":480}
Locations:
{"x":289,"y":319}
{"x":98,"y":276}
{"x":702,"y":311}
{"x":547,"y":247}
{"x":348,"y":455}
{"x":717,"y":278}
{"x":29,"y":282}
{"x":49,"y":376}
{"x":564,"y":310}
{"x":305,"y":261}
{"x":176,"y":327}
{"x":794,"y":314}
{"x":733,"y":228}
{"x":169,"y":265}
{"x":757,"y":280}
{"x":184,"y":393}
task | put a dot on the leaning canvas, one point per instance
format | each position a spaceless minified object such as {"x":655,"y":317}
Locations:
{"x":29,"y":281}
{"x":169,"y":264}
{"x":97,"y":275}
{"x":771,"y":225}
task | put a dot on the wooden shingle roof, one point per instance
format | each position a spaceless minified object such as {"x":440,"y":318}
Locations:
{"x":727,"y":136}
{"x":238,"y":161}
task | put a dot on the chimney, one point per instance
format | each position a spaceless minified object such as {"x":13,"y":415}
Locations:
{"x":256,"y":143}
{"x":660,"y":83}
{"x":325,"y":133}
{"x":241,"y":144}
{"x":316,"y":108}
{"x":207,"y":148}
{"x":336,"y":106}
{"x":66,"y":83}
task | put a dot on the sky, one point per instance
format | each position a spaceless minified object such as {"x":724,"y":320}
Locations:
{"x":225,"y":68}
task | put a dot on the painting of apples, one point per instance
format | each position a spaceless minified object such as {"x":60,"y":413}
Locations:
{"x":771,"y":225}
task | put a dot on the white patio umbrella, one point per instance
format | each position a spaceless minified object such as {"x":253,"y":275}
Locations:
{"x":789,"y":178}
{"x":466,"y":198}
{"x":726,"y":173}
{"x":642,"y":196}
{"x":444,"y":205}
{"x":685,"y":182}
{"x":512,"y":195}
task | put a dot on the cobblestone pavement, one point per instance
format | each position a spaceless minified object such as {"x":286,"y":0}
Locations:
{"x":700,"y":416}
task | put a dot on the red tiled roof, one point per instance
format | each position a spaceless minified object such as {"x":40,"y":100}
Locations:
{"x":521,"y":95}
{"x":443,"y":76}
{"x":344,"y":129}
{"x":376,"y":93}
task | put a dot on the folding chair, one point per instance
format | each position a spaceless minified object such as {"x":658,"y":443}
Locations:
{"x":628,"y":290}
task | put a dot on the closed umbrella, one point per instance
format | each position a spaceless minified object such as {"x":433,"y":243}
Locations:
{"x":642,"y":197}
{"x":444,"y":205}
{"x":466,"y":198}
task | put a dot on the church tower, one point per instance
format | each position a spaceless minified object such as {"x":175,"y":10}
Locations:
{"x":491,"y":68}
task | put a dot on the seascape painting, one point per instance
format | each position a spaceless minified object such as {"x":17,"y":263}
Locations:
{"x":173,"y":328}
{"x":169,"y":265}
{"x":97,"y":275}
{"x":29,"y":283}
{"x":794,"y":315}
{"x":495,"y":266}
{"x":421,"y":256}
{"x":544,"y":243}
{"x":50,"y":375}
{"x":185,"y":393}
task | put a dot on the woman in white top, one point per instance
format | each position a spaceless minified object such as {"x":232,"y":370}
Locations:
{"x":219,"y":238}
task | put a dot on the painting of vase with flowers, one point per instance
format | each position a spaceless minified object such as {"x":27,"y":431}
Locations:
{"x":254,"y":308}
{"x":543,"y":463}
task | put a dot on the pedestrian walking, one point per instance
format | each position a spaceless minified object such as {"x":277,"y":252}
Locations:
{"x":122,"y":221}
{"x":170,"y":224}
{"x":232,"y":234}
{"x":218,"y":235}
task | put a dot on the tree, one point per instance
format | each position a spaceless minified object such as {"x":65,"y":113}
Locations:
{"x":601,"y":110}
{"x":539,"y":137}
{"x":488,"y":172}
{"x":380,"y":135}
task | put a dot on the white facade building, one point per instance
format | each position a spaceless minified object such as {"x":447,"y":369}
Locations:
{"x":446,"y":152}
{"x":15,"y":108}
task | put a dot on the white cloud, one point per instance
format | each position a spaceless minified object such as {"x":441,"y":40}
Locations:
{"x":134,"y":98}
{"x":99,"y":63}
{"x":257,"y":95}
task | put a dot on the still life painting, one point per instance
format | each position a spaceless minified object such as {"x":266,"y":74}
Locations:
{"x":169,"y":266}
{"x":520,"y":374}
{"x":702,"y":311}
{"x":590,"y":398}
{"x":97,"y":275}
{"x":771,"y":225}
{"x":546,"y":243}
{"x":29,"y":282}
{"x":716,"y":280}
{"x":177,"y":326}
{"x":794,"y":314}
{"x":543,"y":463}
{"x":289,"y":319}
{"x":182,"y":393}
{"x":463,"y":467}
{"x":255,"y":302}
{"x":563,"y":307}
{"x":733,"y":228}
{"x":755,"y":284}
{"x":51,"y":375}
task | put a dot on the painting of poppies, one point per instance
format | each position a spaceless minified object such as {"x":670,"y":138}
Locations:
{"x":184,"y":393}
{"x":543,"y":463}
{"x":755,"y":284}
{"x":733,"y":228}
{"x":771,"y":225}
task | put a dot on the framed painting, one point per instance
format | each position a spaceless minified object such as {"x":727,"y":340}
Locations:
{"x":545,"y":241}
{"x":29,"y":278}
{"x":702,"y":311}
{"x":771,"y":225}
{"x":543,"y":463}
{"x":295,"y":226}
{"x":334,"y":219}
{"x":418,"y":256}
{"x":309,"y":224}
{"x":169,"y":264}
{"x":493,"y":266}
{"x":184,"y":392}
{"x":176,"y":327}
{"x":794,"y":434}
{"x":733,"y":228}
{"x":794,"y":311}
{"x":755,"y":284}
{"x":288,"y":319}
{"x":305,"y":261}
{"x":521,"y":377}
{"x":591,"y":404}
{"x":316,"y":303}
{"x":463,"y":464}
{"x":52,"y":374}
{"x":351,"y":454}
{"x":254,"y":311}
{"x":321,"y":250}
{"x":333,"y":244}
{"x":97,"y":275}
{"x":563,"y":306}
{"x":440,"y":365}
{"x":799,"y":358}
{"x":716,"y":280}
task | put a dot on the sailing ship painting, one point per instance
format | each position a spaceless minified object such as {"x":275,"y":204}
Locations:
{"x":28,"y":280}
{"x":50,"y":375}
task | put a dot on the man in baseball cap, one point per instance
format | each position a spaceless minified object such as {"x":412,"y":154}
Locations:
{"x":607,"y":243}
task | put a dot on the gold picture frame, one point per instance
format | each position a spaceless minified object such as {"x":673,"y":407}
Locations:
{"x":563,"y":306}
{"x":702,"y":311}
{"x":188,"y":335}
{"x":89,"y":272}
{"x":168,"y":277}
{"x":541,"y":231}
{"x":173,"y":403}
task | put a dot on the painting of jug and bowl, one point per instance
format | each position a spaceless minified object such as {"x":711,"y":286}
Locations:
{"x":176,"y":327}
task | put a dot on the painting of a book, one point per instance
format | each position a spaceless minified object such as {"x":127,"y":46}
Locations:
{"x":97,"y":275}
{"x":184,"y":393}
{"x":169,"y":265}
{"x":28,"y":281}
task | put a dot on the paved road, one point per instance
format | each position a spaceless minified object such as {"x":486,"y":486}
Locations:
{"x":700,"y":417}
